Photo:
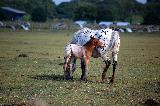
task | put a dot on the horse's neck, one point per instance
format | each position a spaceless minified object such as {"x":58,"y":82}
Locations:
{"x":89,"y":48}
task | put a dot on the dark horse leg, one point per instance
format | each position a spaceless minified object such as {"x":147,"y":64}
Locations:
{"x":67,"y":74}
{"x":83,"y":67}
{"x":114,"y":56}
{"x":72,"y":66}
{"x":67,"y":68}
{"x":114,"y":69}
{"x":107,"y":62}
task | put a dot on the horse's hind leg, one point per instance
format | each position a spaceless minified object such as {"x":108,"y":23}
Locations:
{"x":66,"y":62}
{"x":114,"y":66}
{"x":107,"y":63}
{"x":73,"y":64}
{"x":114,"y":69}
{"x":67,"y":75}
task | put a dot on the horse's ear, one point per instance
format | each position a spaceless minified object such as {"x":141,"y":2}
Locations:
{"x":92,"y":37}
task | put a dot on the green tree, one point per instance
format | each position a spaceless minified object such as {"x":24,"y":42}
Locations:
{"x":66,"y":10}
{"x":153,"y":14}
{"x":29,"y":6}
{"x":104,"y":13}
{"x":26,"y":17}
{"x":99,"y":10}
{"x":85,"y":11}
{"x":135,"y":19}
{"x":39,"y":15}
{"x":153,"y":1}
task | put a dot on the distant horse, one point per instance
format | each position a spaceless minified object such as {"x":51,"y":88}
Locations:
{"x":111,"y":41}
{"x":74,"y":51}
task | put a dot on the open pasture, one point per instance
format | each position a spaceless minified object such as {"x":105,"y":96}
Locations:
{"x":31,"y":70}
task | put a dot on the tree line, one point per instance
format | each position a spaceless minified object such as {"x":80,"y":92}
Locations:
{"x":89,"y":10}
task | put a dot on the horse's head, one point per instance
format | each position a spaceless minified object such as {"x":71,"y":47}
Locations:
{"x":96,"y":42}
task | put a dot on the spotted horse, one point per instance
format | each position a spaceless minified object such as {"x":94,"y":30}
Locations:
{"x":109,"y":52}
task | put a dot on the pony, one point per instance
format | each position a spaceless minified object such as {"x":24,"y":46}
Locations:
{"x":109,"y":52}
{"x":74,"y":51}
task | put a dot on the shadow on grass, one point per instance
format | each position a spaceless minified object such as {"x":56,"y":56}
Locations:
{"x":54,"y":77}
{"x":49,"y":77}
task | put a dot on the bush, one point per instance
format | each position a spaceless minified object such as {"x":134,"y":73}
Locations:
{"x":39,"y":15}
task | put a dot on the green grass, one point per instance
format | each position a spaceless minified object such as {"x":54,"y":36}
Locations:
{"x":40,"y":74}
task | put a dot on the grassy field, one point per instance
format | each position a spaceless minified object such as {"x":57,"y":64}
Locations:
{"x":31,"y":71}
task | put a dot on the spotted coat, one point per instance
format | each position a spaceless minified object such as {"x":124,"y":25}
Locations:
{"x":110,"y":38}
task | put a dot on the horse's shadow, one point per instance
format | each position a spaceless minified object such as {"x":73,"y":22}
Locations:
{"x":52,"y":77}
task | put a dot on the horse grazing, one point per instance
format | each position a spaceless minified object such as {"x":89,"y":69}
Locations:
{"x":111,"y":40}
{"x":74,"y":51}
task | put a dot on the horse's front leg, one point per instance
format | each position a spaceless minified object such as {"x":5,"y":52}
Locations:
{"x":84,"y":67}
{"x":107,"y":63}
{"x":114,"y":66}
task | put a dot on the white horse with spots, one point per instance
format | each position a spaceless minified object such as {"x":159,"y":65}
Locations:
{"x":111,"y":40}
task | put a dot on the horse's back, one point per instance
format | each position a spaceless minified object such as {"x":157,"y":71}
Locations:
{"x":82,"y":36}
{"x":110,"y":38}
{"x":73,"y":49}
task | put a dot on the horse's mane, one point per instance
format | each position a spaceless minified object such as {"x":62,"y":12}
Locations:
{"x":89,"y":41}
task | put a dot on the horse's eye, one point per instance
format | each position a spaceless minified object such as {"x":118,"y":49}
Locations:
{"x":96,"y":42}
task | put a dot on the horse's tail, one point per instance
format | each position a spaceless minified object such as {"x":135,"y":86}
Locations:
{"x":67,"y":55}
{"x":67,"y":51}
{"x":115,"y":41}
{"x":116,"y":45}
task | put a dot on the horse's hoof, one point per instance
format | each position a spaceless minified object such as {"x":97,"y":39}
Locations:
{"x":102,"y":81}
{"x":111,"y":81}
{"x":83,"y":79}
{"x":69,"y":78}
{"x":103,"y":77}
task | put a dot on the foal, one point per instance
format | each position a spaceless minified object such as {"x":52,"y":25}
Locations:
{"x":73,"y":51}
